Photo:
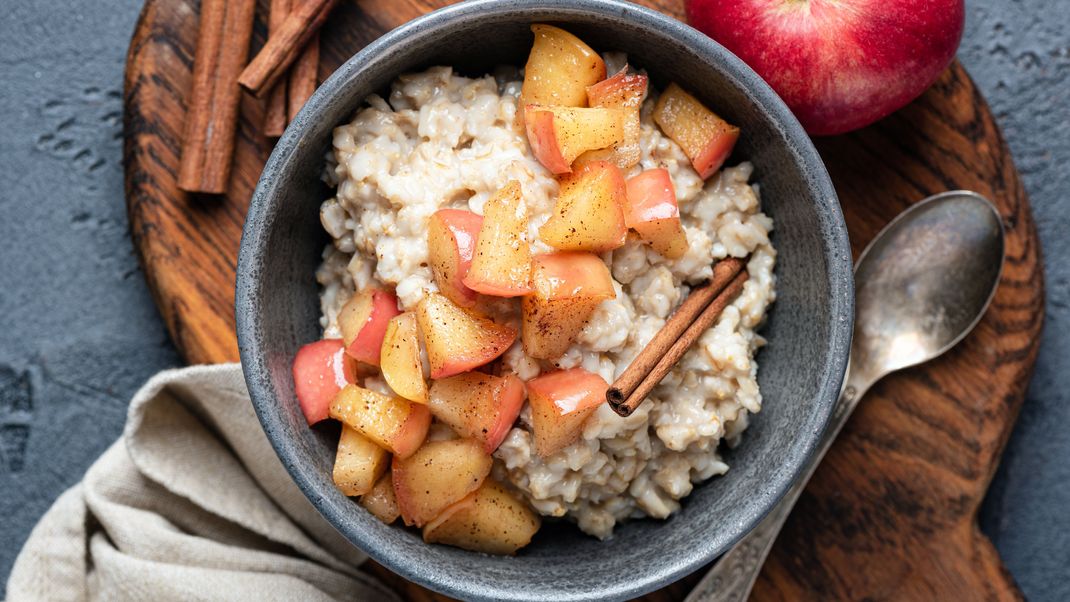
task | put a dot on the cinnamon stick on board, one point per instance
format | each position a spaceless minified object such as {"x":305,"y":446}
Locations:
{"x":282,"y":48}
{"x":303,"y":76}
{"x":212,"y":112}
{"x":694,"y":316}
{"x":275,"y":113}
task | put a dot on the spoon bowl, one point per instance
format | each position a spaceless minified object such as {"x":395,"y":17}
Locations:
{"x":924,"y":282}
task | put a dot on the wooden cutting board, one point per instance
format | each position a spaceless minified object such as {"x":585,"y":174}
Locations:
{"x":892,"y":511}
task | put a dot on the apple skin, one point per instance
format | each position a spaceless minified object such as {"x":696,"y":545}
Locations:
{"x":838,"y":64}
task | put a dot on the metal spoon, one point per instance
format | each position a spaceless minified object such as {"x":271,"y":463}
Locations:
{"x":920,"y":286}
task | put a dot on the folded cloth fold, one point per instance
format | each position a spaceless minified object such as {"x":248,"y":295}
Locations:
{"x":190,"y":503}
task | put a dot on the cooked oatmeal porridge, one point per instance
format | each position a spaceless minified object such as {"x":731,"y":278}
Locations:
{"x":441,"y":140}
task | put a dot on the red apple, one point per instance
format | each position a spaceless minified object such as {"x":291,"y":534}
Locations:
{"x":838,"y":64}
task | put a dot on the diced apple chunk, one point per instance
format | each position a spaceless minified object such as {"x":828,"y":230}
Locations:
{"x":402,"y":368}
{"x":478,"y":405}
{"x":653,"y":213}
{"x":490,"y":520}
{"x":622,"y":91}
{"x":501,"y":263}
{"x":557,"y":135}
{"x":589,"y":213}
{"x":320,"y":370}
{"x":380,"y":501}
{"x":451,"y":241}
{"x":459,"y":339}
{"x":706,"y":139}
{"x":397,"y":424}
{"x":363,"y":321}
{"x":559,"y":68}
{"x":438,"y":475}
{"x":569,"y":286}
{"x":560,"y":403}
{"x":358,"y":463}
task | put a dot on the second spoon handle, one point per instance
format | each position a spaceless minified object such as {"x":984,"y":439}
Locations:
{"x":734,"y":574}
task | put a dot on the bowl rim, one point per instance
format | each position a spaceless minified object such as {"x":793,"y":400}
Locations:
{"x":834,"y":234}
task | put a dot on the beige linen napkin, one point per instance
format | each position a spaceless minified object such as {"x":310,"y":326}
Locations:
{"x":191,"y":503}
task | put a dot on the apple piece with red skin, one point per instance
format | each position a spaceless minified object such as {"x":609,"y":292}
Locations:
{"x":539,"y":126}
{"x":320,"y":370}
{"x":652,"y":211}
{"x":706,"y":139}
{"x":559,"y":69}
{"x":501,"y":261}
{"x":451,"y":241}
{"x":458,"y":339}
{"x":557,"y":135}
{"x":589,"y":212}
{"x":481,"y":406}
{"x":363,"y":321}
{"x":560,"y":403}
{"x":838,"y":64}
{"x":396,"y":424}
{"x":622,"y":91}
{"x":569,"y":287}
{"x":492,"y":520}
{"x":438,"y":475}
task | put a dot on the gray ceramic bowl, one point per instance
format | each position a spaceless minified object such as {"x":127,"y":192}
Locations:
{"x":808,"y":328}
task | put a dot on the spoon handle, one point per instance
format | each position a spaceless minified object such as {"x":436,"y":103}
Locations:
{"x":734,"y":574}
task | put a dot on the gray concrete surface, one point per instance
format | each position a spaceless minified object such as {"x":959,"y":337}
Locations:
{"x":79,"y":332}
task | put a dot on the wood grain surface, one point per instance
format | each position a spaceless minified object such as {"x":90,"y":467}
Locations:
{"x":891,"y":513}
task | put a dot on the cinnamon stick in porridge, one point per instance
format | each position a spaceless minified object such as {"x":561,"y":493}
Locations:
{"x":275,"y":114}
{"x":212,"y":110}
{"x":303,"y":76}
{"x":695,"y":315}
{"x":283,"y":48}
